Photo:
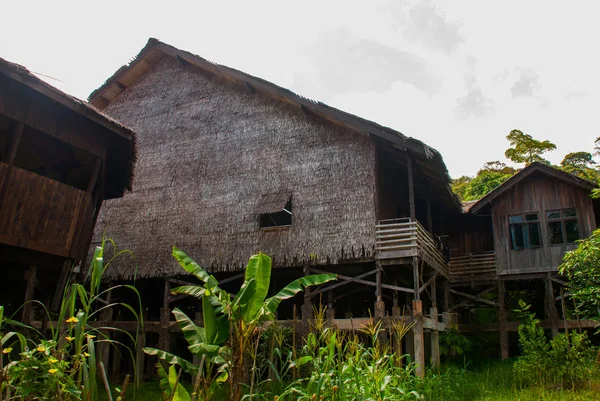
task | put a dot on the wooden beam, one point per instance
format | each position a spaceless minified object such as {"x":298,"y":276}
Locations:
{"x":468,"y":303}
{"x":343,"y":282}
{"x":474,"y":298}
{"x":411,"y":189}
{"x":365,"y":282}
{"x":428,"y":283}
{"x":94,"y":176}
{"x":429,"y":219}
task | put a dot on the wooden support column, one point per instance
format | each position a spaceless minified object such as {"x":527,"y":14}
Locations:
{"x":199,"y":321}
{"x":140,"y":355}
{"x":30,"y":278}
{"x":550,"y":306}
{"x":164,"y":339}
{"x":65,"y":273}
{"x":396,"y":312}
{"x":411,"y":189}
{"x":330,"y":309}
{"x":307,"y":308}
{"x":419,"y":338}
{"x":416,"y":281}
{"x":103,"y":348}
{"x":435,"y":339}
{"x":502,"y":321}
{"x":379,"y":304}
{"x":429,"y":219}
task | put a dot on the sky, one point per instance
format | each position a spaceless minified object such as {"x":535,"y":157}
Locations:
{"x":457,"y":75}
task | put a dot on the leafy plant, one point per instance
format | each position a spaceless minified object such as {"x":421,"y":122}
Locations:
{"x":568,"y":360}
{"x":232,"y":324}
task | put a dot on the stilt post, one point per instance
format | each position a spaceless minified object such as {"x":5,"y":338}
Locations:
{"x":502,"y":321}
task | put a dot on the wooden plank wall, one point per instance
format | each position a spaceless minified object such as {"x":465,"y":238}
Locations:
{"x":537,"y":193}
{"x":41,"y":214}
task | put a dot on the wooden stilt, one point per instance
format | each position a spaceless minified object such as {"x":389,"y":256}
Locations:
{"x":103,"y":348}
{"x":411,"y":189}
{"x":502,"y":321}
{"x":429,"y":219}
{"x":550,"y":306}
{"x":164,"y":339}
{"x":419,"y":338}
{"x":396,"y":312}
{"x":415,"y":268}
{"x":435,"y":339}
{"x":379,"y":304}
{"x":30,"y":278}
{"x":330,"y":307}
{"x":307,"y":309}
{"x":65,"y":273}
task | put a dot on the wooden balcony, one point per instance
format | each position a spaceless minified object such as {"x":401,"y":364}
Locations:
{"x":473,"y":265}
{"x":406,"y":238}
{"x":41,"y":214}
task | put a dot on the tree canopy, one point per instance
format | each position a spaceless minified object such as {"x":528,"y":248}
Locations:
{"x":489,"y":177}
{"x":580,"y":164}
{"x":524,"y":149}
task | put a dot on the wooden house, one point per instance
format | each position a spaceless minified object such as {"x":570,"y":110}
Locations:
{"x":514,"y":239}
{"x":59,"y":159}
{"x":230,"y":164}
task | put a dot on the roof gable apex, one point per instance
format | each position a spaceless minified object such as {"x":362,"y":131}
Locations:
{"x":535,"y":167}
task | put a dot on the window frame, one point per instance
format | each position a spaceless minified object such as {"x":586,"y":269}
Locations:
{"x":524,"y":224}
{"x":562,"y":220}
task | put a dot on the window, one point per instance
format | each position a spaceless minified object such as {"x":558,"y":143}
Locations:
{"x":525,"y":231}
{"x":275,"y":210}
{"x":562,"y":226}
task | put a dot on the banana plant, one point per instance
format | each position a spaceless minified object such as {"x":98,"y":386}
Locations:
{"x":231,"y":324}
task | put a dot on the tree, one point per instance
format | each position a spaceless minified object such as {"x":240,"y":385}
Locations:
{"x":489,"y":177}
{"x":582,"y":268}
{"x":580,"y":164}
{"x":525,"y":149}
{"x":460,"y":185}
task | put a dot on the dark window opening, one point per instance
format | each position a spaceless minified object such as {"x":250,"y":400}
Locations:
{"x":525,"y":231}
{"x":563,"y":227}
{"x":277,"y":219}
{"x":47,"y":156}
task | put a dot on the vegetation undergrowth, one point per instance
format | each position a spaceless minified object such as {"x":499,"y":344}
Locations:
{"x":61,"y":363}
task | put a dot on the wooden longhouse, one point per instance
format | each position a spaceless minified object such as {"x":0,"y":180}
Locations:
{"x":231,"y":164}
{"x":60,"y":159}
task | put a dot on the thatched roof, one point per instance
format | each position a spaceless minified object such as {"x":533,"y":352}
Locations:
{"x":219,"y":147}
{"x":533,"y":168}
{"x":425,"y":157}
{"x":120,"y":162}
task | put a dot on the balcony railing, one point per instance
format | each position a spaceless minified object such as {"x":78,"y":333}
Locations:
{"x":401,"y":238}
{"x":41,"y":214}
{"x":473,"y":264}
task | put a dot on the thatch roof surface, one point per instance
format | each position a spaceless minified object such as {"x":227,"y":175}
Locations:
{"x":535,"y":167}
{"x":210,"y":150}
{"x":155,"y":50}
{"x":121,"y":170}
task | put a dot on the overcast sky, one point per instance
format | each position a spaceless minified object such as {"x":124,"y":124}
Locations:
{"x":458,"y":75}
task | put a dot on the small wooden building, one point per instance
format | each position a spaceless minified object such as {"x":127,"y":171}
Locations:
{"x":513,"y":240}
{"x":59,"y":159}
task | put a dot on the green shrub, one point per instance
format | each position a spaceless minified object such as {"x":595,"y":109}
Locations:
{"x":566,"y":361}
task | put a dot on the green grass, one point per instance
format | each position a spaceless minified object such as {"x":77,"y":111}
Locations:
{"x":496,"y":382}
{"x":491,"y":382}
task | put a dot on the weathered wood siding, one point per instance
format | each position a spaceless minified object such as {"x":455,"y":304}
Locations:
{"x":537,"y":193}
{"x":209,"y":150}
{"x":43,"y":215}
{"x":470,"y":234}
